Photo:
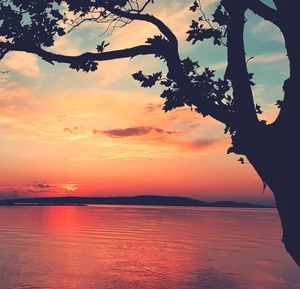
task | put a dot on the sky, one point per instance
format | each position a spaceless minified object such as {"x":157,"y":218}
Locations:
{"x":66,"y":133}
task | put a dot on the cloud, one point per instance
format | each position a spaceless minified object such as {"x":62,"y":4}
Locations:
{"x":202,"y":143}
{"x":13,"y":90}
{"x":36,"y":189}
{"x":68,"y":187}
{"x":41,"y":186}
{"x":257,"y":59}
{"x":23,"y":63}
{"x":267,"y":32}
{"x":61,"y":117}
{"x":24,"y":191}
{"x":67,"y":130}
{"x":6,"y":126}
{"x":67,"y":45}
{"x":135,"y":132}
{"x":151,"y":107}
{"x":152,"y":138}
{"x":8,"y":192}
{"x":76,"y":133}
{"x":268,"y":58}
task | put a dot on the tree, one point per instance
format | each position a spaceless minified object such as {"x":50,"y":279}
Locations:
{"x":272,"y":149}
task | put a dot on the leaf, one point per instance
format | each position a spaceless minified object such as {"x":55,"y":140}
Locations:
{"x":60,"y":31}
{"x":100,"y":48}
{"x":279,"y":103}
{"x":84,"y":66}
{"x":264,"y":187}
{"x":195,"y":6}
{"x":230,"y":150}
{"x":250,"y":75}
{"x":241,"y":160}
{"x":220,"y":16}
{"x":147,"y":80}
{"x":258,"y":109}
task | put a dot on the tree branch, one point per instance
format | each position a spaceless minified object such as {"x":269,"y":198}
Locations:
{"x":163,"y":28}
{"x":89,"y":56}
{"x":144,"y":6}
{"x":264,"y":11}
{"x":204,"y":105}
{"x":218,"y":112}
{"x":168,"y":49}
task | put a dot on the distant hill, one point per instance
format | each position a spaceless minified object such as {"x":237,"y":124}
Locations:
{"x":146,"y":200}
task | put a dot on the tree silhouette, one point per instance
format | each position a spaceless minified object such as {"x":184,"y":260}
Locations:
{"x":272,"y":149}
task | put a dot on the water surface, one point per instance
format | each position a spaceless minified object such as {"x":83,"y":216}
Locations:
{"x":118,"y":247}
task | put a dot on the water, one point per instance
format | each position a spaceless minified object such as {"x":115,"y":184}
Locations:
{"x":143,"y":247}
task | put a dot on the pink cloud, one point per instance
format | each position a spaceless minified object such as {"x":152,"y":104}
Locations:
{"x":135,"y":131}
{"x":151,"y":107}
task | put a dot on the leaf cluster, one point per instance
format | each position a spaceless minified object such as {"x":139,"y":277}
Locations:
{"x":83,"y":7}
{"x":203,"y":81}
{"x":84,"y":65}
{"x":31,"y":22}
{"x":202,"y":28}
{"x":147,"y":80}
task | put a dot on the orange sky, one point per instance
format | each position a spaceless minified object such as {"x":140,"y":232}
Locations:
{"x":69,"y":133}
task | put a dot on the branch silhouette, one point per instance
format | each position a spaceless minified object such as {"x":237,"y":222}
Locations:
{"x":264,"y":11}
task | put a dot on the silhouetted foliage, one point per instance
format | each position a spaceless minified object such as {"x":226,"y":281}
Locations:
{"x":34,"y":25}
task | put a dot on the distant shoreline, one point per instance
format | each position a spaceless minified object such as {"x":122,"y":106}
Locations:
{"x":144,"y":200}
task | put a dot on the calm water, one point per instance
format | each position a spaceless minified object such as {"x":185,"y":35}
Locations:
{"x":142,"y":247}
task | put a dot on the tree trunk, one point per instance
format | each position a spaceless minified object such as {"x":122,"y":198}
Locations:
{"x":275,"y":156}
{"x":287,"y":201}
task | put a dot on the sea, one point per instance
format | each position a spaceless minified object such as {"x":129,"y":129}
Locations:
{"x":120,"y":247}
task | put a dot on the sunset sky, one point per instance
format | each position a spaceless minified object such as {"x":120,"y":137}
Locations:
{"x":65,"y":133}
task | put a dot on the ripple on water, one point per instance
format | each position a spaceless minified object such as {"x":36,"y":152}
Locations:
{"x":143,"y":247}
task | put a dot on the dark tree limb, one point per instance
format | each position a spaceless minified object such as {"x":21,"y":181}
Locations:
{"x":264,"y":11}
{"x":205,"y":105}
{"x":208,"y":107}
{"x":89,"y":56}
